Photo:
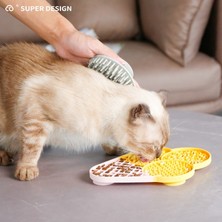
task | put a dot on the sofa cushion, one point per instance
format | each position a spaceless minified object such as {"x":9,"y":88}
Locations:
{"x":13,"y":30}
{"x":176,"y":27}
{"x":199,"y":81}
{"x":218,"y":45}
{"x":111,"y":20}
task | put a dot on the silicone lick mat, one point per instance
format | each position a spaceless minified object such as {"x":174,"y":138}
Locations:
{"x":172,"y":168}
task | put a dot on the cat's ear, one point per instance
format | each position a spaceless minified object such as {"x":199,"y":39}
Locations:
{"x":163,"y":96}
{"x":139,"y":112}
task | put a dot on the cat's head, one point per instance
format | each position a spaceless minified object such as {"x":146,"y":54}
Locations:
{"x":147,"y":128}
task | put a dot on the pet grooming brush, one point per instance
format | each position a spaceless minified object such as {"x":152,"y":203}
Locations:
{"x":113,"y":70}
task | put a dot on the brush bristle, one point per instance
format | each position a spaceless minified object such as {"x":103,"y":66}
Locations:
{"x":122,"y":74}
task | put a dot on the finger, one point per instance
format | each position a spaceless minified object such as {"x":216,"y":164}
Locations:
{"x":135,"y":83}
{"x":105,"y":50}
{"x":114,"y":56}
{"x":78,"y":60}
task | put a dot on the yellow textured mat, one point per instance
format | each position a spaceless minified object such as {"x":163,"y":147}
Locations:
{"x":172,"y":168}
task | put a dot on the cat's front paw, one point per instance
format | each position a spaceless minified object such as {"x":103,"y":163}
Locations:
{"x":25,"y":173}
{"x":5,"y":158}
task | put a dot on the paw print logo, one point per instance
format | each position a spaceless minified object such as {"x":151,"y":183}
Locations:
{"x":9,"y":8}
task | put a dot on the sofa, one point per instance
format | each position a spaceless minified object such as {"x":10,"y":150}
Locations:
{"x":171,"y":45}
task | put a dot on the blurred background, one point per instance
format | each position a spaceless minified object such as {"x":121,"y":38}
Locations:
{"x":171,"y":45}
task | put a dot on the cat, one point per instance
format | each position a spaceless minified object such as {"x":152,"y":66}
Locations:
{"x":45,"y":100}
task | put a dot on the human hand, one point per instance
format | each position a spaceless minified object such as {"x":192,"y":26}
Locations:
{"x":136,"y":84}
{"x":78,"y":47}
